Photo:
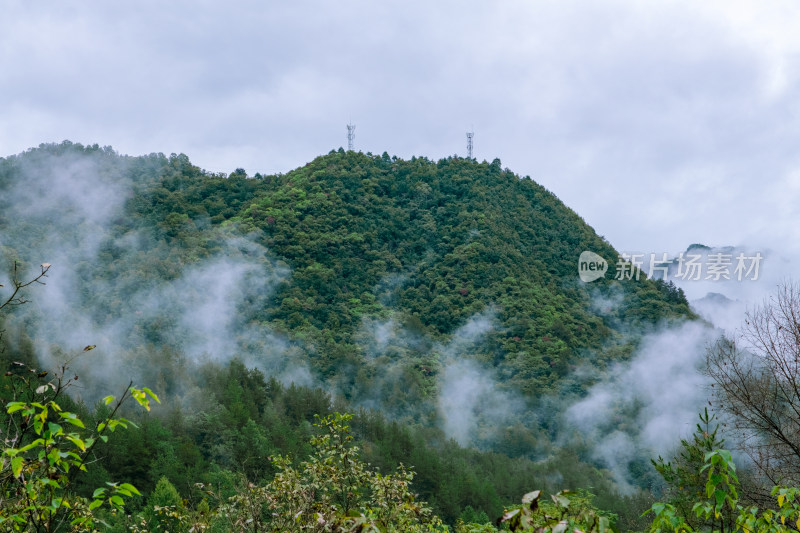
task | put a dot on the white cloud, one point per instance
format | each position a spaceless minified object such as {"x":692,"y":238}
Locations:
{"x":654,"y":397}
{"x":678,"y":116}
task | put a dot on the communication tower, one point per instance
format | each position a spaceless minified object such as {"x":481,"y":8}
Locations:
{"x":351,"y":135}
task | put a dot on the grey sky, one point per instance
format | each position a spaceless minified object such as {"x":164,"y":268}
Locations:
{"x":661,"y":123}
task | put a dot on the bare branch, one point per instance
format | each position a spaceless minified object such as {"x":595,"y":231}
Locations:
{"x":16,"y":297}
{"x":757,"y":382}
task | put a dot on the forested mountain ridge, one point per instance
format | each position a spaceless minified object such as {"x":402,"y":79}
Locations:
{"x":460,"y":235}
{"x":373,"y":278}
{"x":419,"y":245}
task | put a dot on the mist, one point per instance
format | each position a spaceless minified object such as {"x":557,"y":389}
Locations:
{"x":643,"y":407}
{"x":723,"y":300}
{"x":157,"y":322}
{"x":465,"y":398}
{"x":471,"y":405}
{"x":64,"y":210}
{"x":161,"y":317}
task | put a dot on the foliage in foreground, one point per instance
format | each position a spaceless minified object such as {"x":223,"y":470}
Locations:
{"x":684,"y":474}
{"x":46,"y":447}
{"x":332,"y":491}
{"x":721,"y":507}
{"x":568,"y":512}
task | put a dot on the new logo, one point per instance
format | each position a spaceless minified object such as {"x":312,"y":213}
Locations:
{"x":591,"y":266}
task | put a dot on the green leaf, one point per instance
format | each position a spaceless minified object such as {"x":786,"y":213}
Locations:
{"x":54,"y":456}
{"x":141,"y":397}
{"x":657,"y":508}
{"x":54,"y":429}
{"x":13,"y":407}
{"x":77,"y":442}
{"x":16,"y":465}
{"x":719,"y":497}
{"x":128,"y":486}
{"x":726,"y":456}
{"x":72,"y":419}
{"x":34,"y":444}
{"x":11,"y":452}
{"x":151,"y":394}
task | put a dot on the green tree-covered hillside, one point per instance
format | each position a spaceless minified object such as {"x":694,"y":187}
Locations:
{"x":439,"y":300}
{"x":348,"y":244}
{"x":437,"y":242}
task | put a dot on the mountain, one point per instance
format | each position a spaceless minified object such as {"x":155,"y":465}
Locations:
{"x":335,"y":252}
{"x":441,"y":294}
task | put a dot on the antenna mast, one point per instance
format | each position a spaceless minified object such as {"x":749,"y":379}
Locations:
{"x":470,"y":135}
{"x":351,"y":135}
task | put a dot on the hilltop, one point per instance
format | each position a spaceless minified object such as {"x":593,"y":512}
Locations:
{"x":351,"y":243}
{"x":441,"y":295}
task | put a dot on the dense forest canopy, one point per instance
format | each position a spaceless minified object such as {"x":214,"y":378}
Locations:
{"x":347,"y":240}
{"x":439,"y":299}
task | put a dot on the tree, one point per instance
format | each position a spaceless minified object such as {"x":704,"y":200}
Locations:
{"x":718,"y":508}
{"x":332,"y":491}
{"x":757,"y":382}
{"x":164,"y":510}
{"x":686,"y":482}
{"x":570,"y":511}
{"x":44,"y":448}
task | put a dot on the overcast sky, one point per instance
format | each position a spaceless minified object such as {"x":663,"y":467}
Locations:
{"x":662,"y":123}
